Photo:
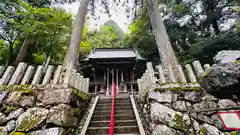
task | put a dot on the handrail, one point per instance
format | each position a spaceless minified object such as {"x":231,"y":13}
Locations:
{"x":111,"y":130}
{"x":84,"y":129}
{"x":140,"y":126}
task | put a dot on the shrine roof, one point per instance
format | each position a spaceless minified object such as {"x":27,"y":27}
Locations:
{"x":106,"y":53}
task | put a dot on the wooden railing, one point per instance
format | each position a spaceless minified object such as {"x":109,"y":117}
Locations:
{"x":171,"y":77}
{"x":24,"y":74}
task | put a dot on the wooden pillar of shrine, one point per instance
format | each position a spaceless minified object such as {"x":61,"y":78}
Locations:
{"x":107,"y":92}
{"x":117,"y":83}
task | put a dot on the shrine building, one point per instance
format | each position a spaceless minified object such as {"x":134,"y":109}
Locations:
{"x":114,"y":65}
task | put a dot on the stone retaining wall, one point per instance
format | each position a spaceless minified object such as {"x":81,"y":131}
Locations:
{"x":40,"y":110}
{"x":165,"y":112}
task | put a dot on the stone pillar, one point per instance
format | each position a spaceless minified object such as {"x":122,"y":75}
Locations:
{"x":139,"y":85}
{"x":81,"y":83}
{"x":28,"y":75}
{"x":77,"y":81}
{"x":172,"y":77}
{"x":95,"y":90}
{"x":180,"y":72}
{"x":17,"y":75}
{"x":191,"y":75}
{"x":68,"y":74}
{"x":71,"y":78}
{"x":107,"y":92}
{"x":162,"y":79}
{"x":84,"y":84}
{"x":7,"y":75}
{"x":145,"y":80}
{"x":198,"y":68}
{"x":87,"y":85}
{"x":151,"y":73}
{"x":38,"y":75}
{"x":48,"y":75}
{"x":57,"y":75}
{"x":206,"y":67}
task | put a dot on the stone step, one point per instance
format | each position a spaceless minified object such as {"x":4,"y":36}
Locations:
{"x":119,"y":112}
{"x":108,"y":117}
{"x":117,"y":129}
{"x":109,"y":109}
{"x":118,"y":134}
{"x":116,"y":105}
{"x":116,"y":102}
{"x":117,"y":123}
{"x":123,"y":100}
{"x":116,"y":108}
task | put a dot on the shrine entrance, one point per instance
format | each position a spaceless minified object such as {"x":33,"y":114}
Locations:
{"x":111,"y":64}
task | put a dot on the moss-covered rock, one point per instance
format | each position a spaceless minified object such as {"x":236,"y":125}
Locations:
{"x":63,"y":115}
{"x":81,"y":95}
{"x":3,"y":131}
{"x":3,"y":119}
{"x":21,"y":98}
{"x":3,"y":96}
{"x":17,"y":133}
{"x":11,"y":125}
{"x":179,"y":89}
{"x":8,"y":108}
{"x":222,"y":80}
{"x":60,"y":96}
{"x":50,"y":131}
{"x":13,"y":87}
{"x":15,"y":114}
{"x":31,"y":119}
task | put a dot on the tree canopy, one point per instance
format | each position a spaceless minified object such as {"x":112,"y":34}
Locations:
{"x":32,"y":30}
{"x":197,"y":29}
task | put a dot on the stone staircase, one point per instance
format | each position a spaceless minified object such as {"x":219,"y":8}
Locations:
{"x":125,"y":121}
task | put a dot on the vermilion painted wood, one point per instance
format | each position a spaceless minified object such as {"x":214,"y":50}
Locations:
{"x":112,"y":112}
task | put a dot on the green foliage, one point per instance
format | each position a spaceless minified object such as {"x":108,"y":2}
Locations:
{"x":3,"y":51}
{"x":42,"y":29}
{"x":192,"y":36}
{"x":140,"y":37}
{"x":181,"y":123}
{"x":105,"y":37}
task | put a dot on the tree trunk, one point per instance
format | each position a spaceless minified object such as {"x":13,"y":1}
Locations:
{"x":74,"y":45}
{"x":23,"y":50}
{"x":165,"y":49}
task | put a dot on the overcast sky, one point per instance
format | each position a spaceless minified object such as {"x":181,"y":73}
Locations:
{"x":118,"y":15}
